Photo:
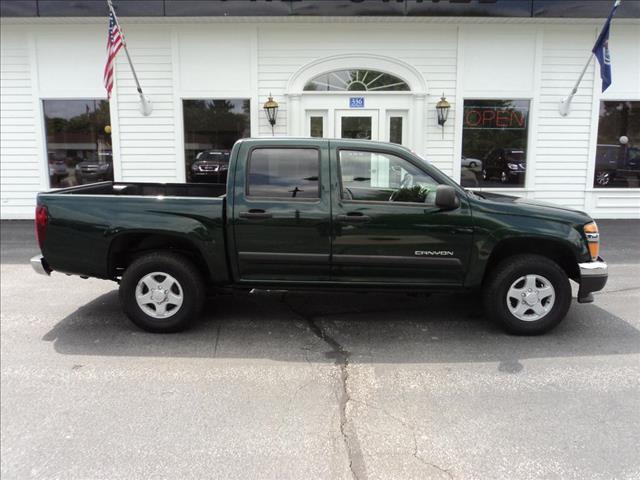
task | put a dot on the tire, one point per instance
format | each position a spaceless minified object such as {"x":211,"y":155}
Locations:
{"x":508,"y":301}
{"x":473,"y":164}
{"x":178,"y":288}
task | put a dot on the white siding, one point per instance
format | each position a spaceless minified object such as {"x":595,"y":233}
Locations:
{"x":147,"y":145}
{"x":243,"y":59}
{"x":562,"y":150}
{"x":285,"y":48}
{"x":20,"y":169}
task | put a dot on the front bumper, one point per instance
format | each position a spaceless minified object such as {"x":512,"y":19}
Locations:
{"x":40,"y":265}
{"x":593,"y":277}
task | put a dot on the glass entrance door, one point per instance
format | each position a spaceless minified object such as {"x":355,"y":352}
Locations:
{"x":360,"y":124}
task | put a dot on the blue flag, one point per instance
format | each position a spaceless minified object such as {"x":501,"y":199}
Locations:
{"x":601,"y":50}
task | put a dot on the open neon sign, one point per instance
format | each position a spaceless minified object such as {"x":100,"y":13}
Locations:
{"x":495,"y":118}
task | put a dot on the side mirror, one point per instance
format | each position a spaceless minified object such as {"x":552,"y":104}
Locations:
{"x":447,"y":198}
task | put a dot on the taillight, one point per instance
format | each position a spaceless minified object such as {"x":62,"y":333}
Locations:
{"x":42,"y":219}
{"x":593,"y":239}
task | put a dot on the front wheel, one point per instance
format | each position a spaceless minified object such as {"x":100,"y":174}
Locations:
{"x":527,"y":294}
{"x":162,"y":292}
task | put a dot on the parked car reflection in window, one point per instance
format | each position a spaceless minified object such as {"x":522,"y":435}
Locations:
{"x":78,"y":141}
{"x":617,"y":162}
{"x":494,"y":143}
{"x":211,"y":127}
{"x":210,"y":166}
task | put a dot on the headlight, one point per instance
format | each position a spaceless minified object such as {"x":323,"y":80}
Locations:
{"x":512,"y":166}
{"x":194,"y":168}
{"x":104,"y":166}
{"x":593,"y":239}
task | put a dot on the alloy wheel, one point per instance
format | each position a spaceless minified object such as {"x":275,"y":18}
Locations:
{"x":531,"y":297}
{"x":159,"y":295}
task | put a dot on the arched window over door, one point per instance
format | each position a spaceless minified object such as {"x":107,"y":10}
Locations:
{"x":356,"y":80}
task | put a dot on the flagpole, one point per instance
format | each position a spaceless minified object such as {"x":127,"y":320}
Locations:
{"x":145,"y":104}
{"x":565,"y":104}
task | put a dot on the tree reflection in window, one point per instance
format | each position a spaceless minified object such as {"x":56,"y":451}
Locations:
{"x":356,"y":81}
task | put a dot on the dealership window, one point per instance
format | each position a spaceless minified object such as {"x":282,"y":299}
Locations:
{"x":211,"y":127}
{"x":618,"y":148}
{"x":284,"y":173}
{"x":494,"y":143}
{"x":78,"y":141}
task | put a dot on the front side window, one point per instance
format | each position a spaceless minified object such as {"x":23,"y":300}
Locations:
{"x":618,"y":148}
{"x":494,"y":143}
{"x":284,"y":173}
{"x":383,"y":177}
{"x":211,"y":127}
{"x":78,"y":136}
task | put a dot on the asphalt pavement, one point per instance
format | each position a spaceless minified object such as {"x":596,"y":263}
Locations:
{"x":315,"y":386}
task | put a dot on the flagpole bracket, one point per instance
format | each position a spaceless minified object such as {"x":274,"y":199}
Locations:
{"x":564,"y":107}
{"x":146,"y":106}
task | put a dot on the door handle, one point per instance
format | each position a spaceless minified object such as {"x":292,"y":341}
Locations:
{"x":354,"y":217}
{"x":255,"y":214}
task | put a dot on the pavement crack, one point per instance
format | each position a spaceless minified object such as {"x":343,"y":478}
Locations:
{"x":424,"y":462}
{"x":341,"y":359}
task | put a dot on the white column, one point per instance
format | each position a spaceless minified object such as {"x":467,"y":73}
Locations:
{"x":418,"y":131}
{"x":294,"y":119}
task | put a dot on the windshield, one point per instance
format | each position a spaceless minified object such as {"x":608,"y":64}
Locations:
{"x":213,"y":156}
{"x":517,"y":155}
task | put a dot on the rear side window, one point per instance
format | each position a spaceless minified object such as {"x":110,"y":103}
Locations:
{"x":284,"y":173}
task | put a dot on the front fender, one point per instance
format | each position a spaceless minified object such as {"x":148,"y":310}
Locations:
{"x":524,"y":235}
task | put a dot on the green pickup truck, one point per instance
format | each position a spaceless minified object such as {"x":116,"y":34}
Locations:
{"x":320,"y":214}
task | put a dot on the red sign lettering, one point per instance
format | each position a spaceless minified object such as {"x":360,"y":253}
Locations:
{"x":495,"y":118}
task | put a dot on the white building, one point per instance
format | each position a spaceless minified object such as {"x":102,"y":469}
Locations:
{"x":355,"y":74}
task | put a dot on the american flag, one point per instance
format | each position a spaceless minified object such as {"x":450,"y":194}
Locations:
{"x":114,"y":44}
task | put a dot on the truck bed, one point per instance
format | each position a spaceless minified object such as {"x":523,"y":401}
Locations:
{"x":148,"y":189}
{"x":89,"y":224}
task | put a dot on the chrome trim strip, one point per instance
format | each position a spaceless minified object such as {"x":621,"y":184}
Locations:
{"x":593,"y":269}
{"x":38,"y":264}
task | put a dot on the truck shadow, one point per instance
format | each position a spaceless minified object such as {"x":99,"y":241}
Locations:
{"x":372,"y":328}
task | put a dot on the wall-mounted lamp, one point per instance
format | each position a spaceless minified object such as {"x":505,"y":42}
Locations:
{"x":271,"y":109}
{"x":442,"y":108}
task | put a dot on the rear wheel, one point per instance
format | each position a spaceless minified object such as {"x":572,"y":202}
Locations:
{"x":162,"y":292}
{"x":527,"y":294}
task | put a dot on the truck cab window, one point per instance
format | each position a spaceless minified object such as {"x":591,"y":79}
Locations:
{"x":284,"y":173}
{"x":373,"y":176}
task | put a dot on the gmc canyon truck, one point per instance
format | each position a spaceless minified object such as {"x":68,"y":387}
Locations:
{"x":320,"y":214}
